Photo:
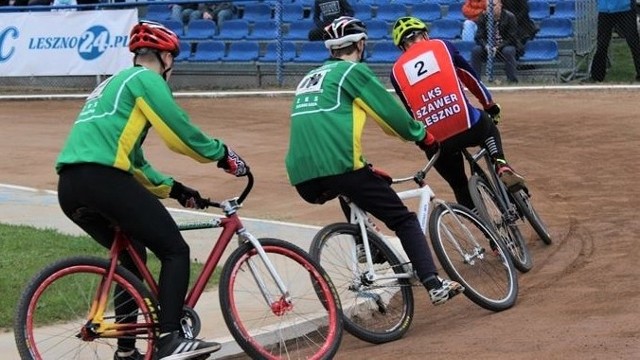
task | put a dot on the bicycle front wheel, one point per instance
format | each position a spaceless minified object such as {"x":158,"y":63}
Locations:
{"x":378,"y":310}
{"x":471,"y":254}
{"x":503,"y":222}
{"x":51,"y":318}
{"x":303,"y":323}
{"x":523,"y":201}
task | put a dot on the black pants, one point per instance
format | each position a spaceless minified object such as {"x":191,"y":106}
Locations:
{"x":625,"y":22}
{"x":450,"y":164}
{"x":374,"y":195}
{"x":121,"y":199}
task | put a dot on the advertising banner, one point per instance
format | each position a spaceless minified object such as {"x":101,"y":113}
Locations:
{"x":65,"y":43}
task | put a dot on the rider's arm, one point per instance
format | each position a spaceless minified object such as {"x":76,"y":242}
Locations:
{"x":155,"y":181}
{"x":172,"y":123}
{"x":469,"y":77}
{"x":374,"y":99}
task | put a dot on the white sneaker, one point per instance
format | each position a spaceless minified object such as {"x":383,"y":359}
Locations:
{"x":446,"y":291}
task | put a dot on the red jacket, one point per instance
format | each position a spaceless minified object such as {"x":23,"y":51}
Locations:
{"x":473,"y":8}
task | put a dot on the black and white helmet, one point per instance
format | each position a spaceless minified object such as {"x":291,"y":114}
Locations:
{"x":343,"y":32}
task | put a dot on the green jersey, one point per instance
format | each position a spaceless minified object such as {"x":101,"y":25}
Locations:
{"x":114,"y":122}
{"x":328,"y":115}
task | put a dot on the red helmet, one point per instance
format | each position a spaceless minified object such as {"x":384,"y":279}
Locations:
{"x":153,"y":35}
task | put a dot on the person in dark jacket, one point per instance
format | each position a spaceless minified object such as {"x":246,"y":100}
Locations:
{"x":622,"y":15}
{"x":505,"y":44}
{"x":324,"y":12}
{"x":527,"y":29}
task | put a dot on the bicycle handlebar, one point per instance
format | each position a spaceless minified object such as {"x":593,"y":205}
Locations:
{"x":421,"y":174}
{"x":241,"y":198}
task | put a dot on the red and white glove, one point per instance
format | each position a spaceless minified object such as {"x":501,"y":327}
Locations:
{"x":232,"y":163}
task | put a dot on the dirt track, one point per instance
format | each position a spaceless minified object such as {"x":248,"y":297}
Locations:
{"x":580,"y":152}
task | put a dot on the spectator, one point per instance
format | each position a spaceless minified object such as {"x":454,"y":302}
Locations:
{"x":472,"y":10}
{"x":622,"y":15}
{"x":505,"y":44}
{"x":527,"y":29}
{"x":218,"y":12}
{"x":324,"y":12}
{"x":185,"y":12}
{"x":325,"y":156}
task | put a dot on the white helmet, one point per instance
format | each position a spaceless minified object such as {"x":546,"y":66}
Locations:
{"x":343,"y":32}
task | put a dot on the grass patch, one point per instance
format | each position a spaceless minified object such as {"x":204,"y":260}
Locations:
{"x":622,"y":69}
{"x":26,"y":250}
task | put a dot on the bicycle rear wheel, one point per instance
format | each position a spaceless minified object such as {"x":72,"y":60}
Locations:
{"x":471,"y":254}
{"x":51,"y":316}
{"x":523,"y":201}
{"x":502,"y":221}
{"x":303,"y":324}
{"x":377,"y":311}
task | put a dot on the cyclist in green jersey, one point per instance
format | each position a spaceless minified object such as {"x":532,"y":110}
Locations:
{"x":325,"y":157}
{"x":104,"y":178}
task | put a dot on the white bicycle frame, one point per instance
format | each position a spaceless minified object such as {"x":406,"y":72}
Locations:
{"x":426,"y":196}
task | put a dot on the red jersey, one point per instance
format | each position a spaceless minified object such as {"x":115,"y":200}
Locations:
{"x":428,"y":80}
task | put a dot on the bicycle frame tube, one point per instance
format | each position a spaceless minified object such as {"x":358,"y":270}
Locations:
{"x":364,"y":222}
{"x":425,"y":194}
{"x":492,"y":177}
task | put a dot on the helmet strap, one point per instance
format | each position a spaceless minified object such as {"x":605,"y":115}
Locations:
{"x":164,"y":66}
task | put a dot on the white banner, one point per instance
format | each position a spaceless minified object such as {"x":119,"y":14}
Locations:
{"x":65,"y":42}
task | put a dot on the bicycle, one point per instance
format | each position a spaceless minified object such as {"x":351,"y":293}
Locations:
{"x":503,"y":208}
{"x":269,"y":306}
{"x":374,"y":280}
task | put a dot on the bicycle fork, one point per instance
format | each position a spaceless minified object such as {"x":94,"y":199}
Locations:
{"x":478,"y":250}
{"x":283,"y":303}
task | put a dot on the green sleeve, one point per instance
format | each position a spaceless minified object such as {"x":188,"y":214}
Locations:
{"x":155,"y":181}
{"x":371,"y":95}
{"x":172,"y":123}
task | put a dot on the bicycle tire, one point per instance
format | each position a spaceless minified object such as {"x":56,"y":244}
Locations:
{"x":310,"y":327}
{"x":523,"y":202}
{"x":486,"y":269}
{"x":49,"y":319}
{"x":488,"y":207}
{"x":366,"y":316}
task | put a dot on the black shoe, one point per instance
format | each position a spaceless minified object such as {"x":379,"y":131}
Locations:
{"x":174,"y":346}
{"x":133,"y":356}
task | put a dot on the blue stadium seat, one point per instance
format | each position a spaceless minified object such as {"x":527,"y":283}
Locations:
{"x":540,"y":51}
{"x":234,"y":30}
{"x":158,"y":12}
{"x":539,"y":9}
{"x":242,"y":51}
{"x":271,"y":54}
{"x":305,"y":3}
{"x":312,"y":52}
{"x":256,"y":12}
{"x":446,"y":29}
{"x":426,"y":12}
{"x":465,"y":48}
{"x":390,"y":12}
{"x":565,"y":9}
{"x":208,"y":51}
{"x":454,"y":12}
{"x":292,"y":12}
{"x":185,"y":51}
{"x":383,"y":52}
{"x":377,"y":30}
{"x":299,"y":30}
{"x":373,"y":2}
{"x":175,"y":26}
{"x":200,"y":30}
{"x":362,"y":11}
{"x":264,"y":30}
{"x":555,"y":28}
